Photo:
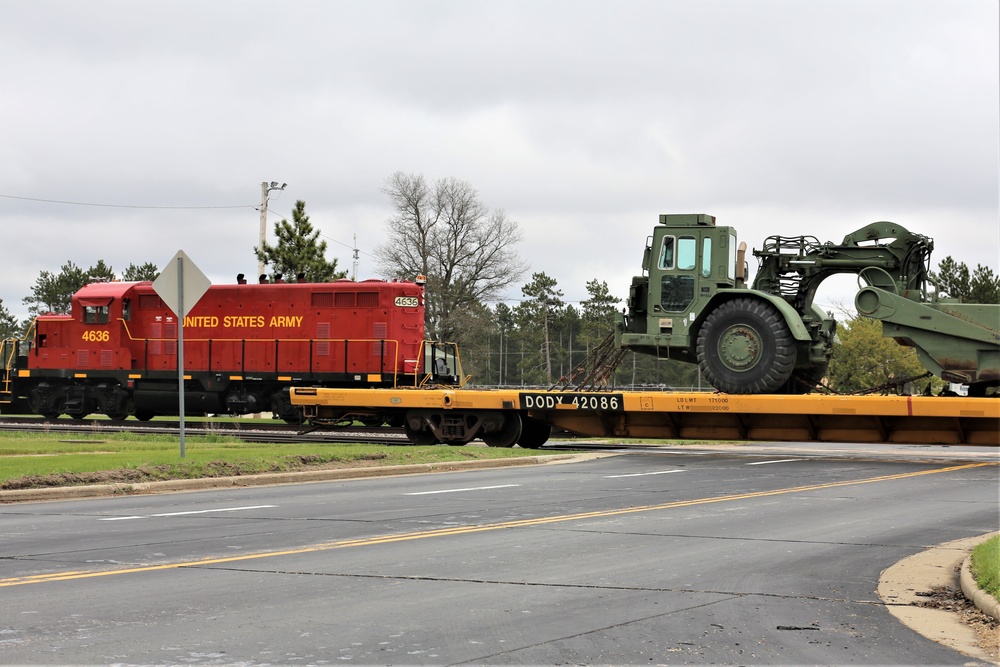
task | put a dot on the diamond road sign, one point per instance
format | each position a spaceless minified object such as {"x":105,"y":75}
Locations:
{"x":181,"y":278}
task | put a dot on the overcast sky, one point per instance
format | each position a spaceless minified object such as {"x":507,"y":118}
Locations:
{"x":582,"y":120}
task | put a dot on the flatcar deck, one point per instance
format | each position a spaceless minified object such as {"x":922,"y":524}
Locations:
{"x":669,"y":415}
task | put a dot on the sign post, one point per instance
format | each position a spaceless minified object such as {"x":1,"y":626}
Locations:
{"x":181,"y":297}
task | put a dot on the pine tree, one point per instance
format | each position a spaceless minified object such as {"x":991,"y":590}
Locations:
{"x":954,"y":279}
{"x":136,"y":273}
{"x":542,"y":306}
{"x":299,"y":251}
{"x":8,"y":323}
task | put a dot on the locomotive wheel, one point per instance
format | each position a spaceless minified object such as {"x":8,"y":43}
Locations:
{"x":117,"y":416}
{"x":509,"y":433}
{"x":143,"y":415}
{"x":79,"y":416}
{"x":745,"y":347}
{"x":534,"y":433}
{"x":51,"y":415}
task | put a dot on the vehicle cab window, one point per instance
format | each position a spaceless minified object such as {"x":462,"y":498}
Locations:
{"x":95,"y":314}
{"x":679,"y":256}
{"x":667,"y":253}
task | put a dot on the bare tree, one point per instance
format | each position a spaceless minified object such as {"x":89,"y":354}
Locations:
{"x":445,"y":233}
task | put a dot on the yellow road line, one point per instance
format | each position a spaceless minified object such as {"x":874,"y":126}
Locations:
{"x":466,"y":530}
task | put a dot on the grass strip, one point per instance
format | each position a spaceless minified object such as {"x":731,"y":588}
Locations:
{"x":35,"y":460}
{"x":985,"y":566}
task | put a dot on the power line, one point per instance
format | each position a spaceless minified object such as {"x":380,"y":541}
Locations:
{"x":329,"y":238}
{"x":80,"y":203}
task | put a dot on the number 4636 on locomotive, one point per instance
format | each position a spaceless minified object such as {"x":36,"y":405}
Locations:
{"x":116,"y":351}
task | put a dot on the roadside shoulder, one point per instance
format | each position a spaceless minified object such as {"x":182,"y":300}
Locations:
{"x":267,"y":479}
{"x":907,"y":583}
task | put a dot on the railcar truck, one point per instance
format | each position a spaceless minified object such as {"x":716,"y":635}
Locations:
{"x":692,"y":302}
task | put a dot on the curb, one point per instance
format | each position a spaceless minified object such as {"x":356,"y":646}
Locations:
{"x":267,"y":479}
{"x":986,"y":603}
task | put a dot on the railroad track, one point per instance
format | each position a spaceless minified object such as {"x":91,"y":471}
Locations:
{"x":249,"y":432}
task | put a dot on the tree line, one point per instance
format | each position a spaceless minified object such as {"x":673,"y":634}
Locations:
{"x":467,"y":253}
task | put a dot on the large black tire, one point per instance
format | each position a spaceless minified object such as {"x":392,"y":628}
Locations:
{"x":745,"y":347}
{"x":509,"y":433}
{"x":804,"y":381}
{"x":534,"y":433}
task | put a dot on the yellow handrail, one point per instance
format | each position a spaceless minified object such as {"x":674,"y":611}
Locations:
{"x":389,"y":342}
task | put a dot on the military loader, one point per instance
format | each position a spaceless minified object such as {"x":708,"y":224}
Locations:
{"x":692,"y":303}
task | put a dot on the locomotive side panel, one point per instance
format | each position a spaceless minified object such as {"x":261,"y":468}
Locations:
{"x":243,"y":345}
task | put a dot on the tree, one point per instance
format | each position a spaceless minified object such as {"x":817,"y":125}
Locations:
{"x":503,"y":318}
{"x":865,"y":358}
{"x":134,"y":273}
{"x":598,"y":312}
{"x":299,"y":251}
{"x":445,"y":233}
{"x":953,"y":278}
{"x":53,"y":293}
{"x":542,"y":306}
{"x":8,"y":323}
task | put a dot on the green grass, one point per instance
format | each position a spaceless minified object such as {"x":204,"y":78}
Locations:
{"x":45,"y":460}
{"x":986,"y":566}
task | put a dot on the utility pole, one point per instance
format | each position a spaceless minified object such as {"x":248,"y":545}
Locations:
{"x":265,"y":189}
{"x":354,"y":273}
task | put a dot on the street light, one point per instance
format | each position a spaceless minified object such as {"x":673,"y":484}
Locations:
{"x":265,"y":189}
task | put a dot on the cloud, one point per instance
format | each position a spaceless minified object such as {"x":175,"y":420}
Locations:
{"x":583,"y":120}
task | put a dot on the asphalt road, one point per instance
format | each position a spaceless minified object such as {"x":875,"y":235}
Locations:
{"x":648,"y":558}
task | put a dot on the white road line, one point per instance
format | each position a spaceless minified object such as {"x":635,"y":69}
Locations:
{"x":221,"y":509}
{"x":764,"y":463}
{"x":642,"y":474}
{"x":472,"y":488}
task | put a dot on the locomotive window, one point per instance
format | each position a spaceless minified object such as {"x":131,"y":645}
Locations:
{"x":126,"y":309}
{"x":95,"y":314}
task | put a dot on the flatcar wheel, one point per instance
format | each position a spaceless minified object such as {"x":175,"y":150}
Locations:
{"x":534,"y":433}
{"x":508,"y":434}
{"x":421,"y":437}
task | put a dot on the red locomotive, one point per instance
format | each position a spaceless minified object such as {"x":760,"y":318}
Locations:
{"x":116,"y":353}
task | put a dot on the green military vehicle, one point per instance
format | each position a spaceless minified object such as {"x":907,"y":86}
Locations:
{"x":692,"y":303}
